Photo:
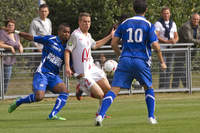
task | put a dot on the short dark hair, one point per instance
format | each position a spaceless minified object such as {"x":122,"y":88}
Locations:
{"x":83,"y":14}
{"x":139,"y":6}
{"x":165,"y":8}
{"x":10,"y":20}
{"x":61,"y":26}
{"x":43,"y":6}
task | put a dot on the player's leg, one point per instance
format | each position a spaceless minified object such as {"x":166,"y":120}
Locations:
{"x":105,"y":86}
{"x":150,"y":101}
{"x":143,"y":75}
{"x":58,"y":86}
{"x":122,"y":79}
{"x":106,"y":103}
{"x":39,"y":87}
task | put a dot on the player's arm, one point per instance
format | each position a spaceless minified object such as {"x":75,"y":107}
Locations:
{"x":25,"y":35}
{"x":114,"y":44}
{"x":68,"y":70}
{"x":104,"y":40}
{"x":156,"y":47}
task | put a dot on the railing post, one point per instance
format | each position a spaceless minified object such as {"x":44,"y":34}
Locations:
{"x":66,"y":80}
{"x":2,"y":75}
{"x":189,"y":77}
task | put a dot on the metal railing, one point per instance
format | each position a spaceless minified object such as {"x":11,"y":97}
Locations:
{"x":22,"y":73}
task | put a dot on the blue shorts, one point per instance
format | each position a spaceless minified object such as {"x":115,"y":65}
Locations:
{"x":45,"y":81}
{"x":129,"y":68}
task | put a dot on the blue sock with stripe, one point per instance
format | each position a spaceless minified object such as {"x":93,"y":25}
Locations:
{"x":60,"y":103}
{"x":150,"y":101}
{"x":106,"y":102}
{"x":28,"y":99}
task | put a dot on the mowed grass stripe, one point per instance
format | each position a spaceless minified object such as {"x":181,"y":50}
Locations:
{"x":177,"y":112}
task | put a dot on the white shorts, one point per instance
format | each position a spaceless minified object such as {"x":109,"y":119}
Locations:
{"x":90,"y":78}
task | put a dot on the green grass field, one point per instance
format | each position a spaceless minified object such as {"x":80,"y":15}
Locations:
{"x":176,"y":113}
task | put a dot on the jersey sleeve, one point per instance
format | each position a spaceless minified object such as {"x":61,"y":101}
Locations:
{"x":41,"y":39}
{"x":71,"y":44}
{"x":152,"y":35}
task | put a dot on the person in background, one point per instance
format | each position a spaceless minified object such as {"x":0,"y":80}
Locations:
{"x":101,"y":61}
{"x":41,"y":25}
{"x":189,"y":32}
{"x":166,"y":31}
{"x":138,"y":36}
{"x":10,"y":42}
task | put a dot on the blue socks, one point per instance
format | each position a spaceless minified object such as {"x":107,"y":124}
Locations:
{"x":106,"y":102}
{"x":150,"y":101}
{"x":28,"y":99}
{"x":60,"y":103}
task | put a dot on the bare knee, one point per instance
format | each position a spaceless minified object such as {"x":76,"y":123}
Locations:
{"x":39,"y":96}
{"x":59,"y":88}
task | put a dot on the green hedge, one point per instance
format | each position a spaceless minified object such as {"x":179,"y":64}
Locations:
{"x":104,"y":12}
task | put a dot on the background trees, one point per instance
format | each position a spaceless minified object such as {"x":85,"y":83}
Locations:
{"x":104,"y":13}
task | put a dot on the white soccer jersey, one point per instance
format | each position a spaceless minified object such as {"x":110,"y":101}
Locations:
{"x":159,"y":27}
{"x":80,"y":46}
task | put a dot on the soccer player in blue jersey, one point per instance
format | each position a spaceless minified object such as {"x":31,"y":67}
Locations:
{"x":138,"y":36}
{"x":46,"y":76}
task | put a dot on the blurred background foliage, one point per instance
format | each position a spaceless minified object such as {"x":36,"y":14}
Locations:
{"x":23,"y":11}
{"x":105,"y":13}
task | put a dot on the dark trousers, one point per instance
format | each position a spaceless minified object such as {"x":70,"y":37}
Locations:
{"x":179,"y":73}
{"x":165,"y":76}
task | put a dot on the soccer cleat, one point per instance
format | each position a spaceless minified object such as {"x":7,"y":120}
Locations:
{"x":152,"y":120}
{"x":13,"y":106}
{"x":105,"y":116}
{"x":79,"y":92}
{"x":99,"y":120}
{"x":57,"y":118}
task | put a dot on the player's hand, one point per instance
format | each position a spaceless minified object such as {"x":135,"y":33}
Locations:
{"x":163,"y":66}
{"x":68,"y":72}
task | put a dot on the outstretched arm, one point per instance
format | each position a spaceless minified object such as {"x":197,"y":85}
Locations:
{"x":25,"y":35}
{"x":114,"y":44}
{"x":104,"y":40}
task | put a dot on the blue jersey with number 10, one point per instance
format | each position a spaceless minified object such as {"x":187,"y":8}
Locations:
{"x":137,"y":35}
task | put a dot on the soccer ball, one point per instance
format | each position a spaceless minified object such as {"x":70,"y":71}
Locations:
{"x":110,"y":66}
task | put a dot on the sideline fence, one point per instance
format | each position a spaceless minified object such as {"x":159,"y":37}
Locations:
{"x":185,"y":67}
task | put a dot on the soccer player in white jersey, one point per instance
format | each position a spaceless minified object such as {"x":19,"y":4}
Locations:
{"x":138,"y":36}
{"x":47,"y":76}
{"x":93,"y":80}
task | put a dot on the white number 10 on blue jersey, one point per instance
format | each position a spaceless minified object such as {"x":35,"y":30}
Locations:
{"x":138,"y":35}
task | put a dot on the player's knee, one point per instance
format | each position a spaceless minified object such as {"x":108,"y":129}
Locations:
{"x":101,"y":96}
{"x":98,"y":96}
{"x":39,"y":98}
